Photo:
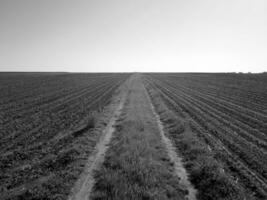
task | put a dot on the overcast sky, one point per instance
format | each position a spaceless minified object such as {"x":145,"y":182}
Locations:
{"x":133,"y":35}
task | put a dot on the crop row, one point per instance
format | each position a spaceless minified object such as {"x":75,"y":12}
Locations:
{"x":252,"y":156}
{"x":225,"y":118}
{"x":245,"y":92}
{"x":41,"y":148}
{"x":254,"y":119}
{"x":243,"y":156}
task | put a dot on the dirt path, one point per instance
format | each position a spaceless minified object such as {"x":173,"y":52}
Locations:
{"x":139,"y":149}
{"x":84,"y":185}
{"x":137,"y":165}
{"x":178,"y":164}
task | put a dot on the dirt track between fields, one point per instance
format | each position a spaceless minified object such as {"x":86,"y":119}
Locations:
{"x":141,"y":112}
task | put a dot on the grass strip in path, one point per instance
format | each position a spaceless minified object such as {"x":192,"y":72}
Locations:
{"x":136,"y":165}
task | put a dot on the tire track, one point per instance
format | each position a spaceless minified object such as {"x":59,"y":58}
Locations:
{"x":84,"y":185}
{"x":178,"y":164}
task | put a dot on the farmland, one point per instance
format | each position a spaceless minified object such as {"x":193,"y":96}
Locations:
{"x":133,"y":136}
{"x":44,"y":118}
{"x":225,"y":121}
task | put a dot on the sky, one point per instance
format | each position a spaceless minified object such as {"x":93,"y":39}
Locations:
{"x":133,"y":35}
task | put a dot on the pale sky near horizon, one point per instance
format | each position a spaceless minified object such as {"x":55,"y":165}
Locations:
{"x":133,"y":35}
